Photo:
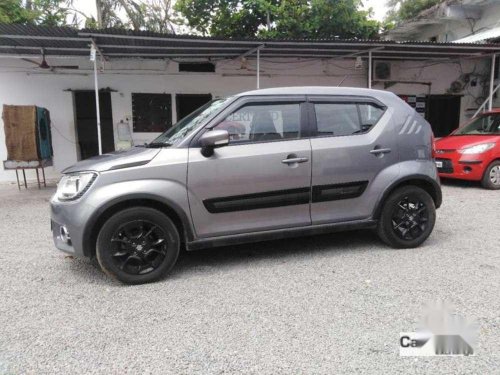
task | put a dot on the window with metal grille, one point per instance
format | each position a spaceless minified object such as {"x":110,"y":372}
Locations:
{"x":197,"y":67}
{"x":151,"y":112}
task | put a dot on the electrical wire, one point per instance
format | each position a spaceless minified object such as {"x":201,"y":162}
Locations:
{"x":60,"y":133}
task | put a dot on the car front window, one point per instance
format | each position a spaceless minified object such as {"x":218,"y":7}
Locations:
{"x":262,"y":122}
{"x":185,"y":126}
{"x":482,"y":125}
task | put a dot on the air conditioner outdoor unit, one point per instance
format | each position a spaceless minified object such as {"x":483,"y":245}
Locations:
{"x":381,"y":71}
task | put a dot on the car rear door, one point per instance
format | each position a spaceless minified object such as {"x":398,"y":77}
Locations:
{"x":352,"y":141}
{"x":261,"y":180}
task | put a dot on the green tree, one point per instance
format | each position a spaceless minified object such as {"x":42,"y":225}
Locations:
{"x":403,"y":10}
{"x":37,"y":12}
{"x":275,"y":18}
{"x":225,"y":17}
{"x":158,"y":16}
{"x":107,"y":16}
{"x":50,"y":12}
{"x":323,"y":19}
{"x":152,"y":15}
{"x":14,"y":11}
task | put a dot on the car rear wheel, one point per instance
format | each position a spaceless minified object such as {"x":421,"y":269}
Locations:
{"x":491,"y":177}
{"x":138,"y":245}
{"x":408,"y":217}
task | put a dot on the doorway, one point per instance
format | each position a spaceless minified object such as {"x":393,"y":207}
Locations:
{"x":443,"y":113}
{"x":187,"y":103}
{"x":86,"y":123}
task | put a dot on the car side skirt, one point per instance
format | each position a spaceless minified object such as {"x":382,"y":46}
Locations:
{"x":277,"y":234}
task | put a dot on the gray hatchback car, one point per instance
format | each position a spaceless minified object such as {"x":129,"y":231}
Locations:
{"x":260,"y":165}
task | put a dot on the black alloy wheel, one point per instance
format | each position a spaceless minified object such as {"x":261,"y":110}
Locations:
{"x":138,"y":245}
{"x":410,"y":218}
{"x":407,"y":218}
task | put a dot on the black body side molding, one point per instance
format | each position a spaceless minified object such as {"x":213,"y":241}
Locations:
{"x":324,"y":193}
{"x":289,"y":197}
{"x":269,"y":199}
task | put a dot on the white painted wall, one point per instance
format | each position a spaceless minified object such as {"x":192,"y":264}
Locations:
{"x":21,"y":85}
{"x":451,"y":23}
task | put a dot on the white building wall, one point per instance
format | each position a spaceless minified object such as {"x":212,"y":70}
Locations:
{"x":489,"y":18}
{"x":452,"y":22}
{"x":21,"y":85}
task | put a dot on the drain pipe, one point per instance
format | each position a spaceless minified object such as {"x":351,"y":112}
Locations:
{"x":93,"y":57}
{"x":492,"y":81}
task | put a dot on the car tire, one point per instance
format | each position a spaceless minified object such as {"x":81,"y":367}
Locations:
{"x":407,"y":218}
{"x":491,"y":177}
{"x":138,"y":245}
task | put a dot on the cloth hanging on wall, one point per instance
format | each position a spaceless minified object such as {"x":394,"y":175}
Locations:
{"x":20,"y":132}
{"x":27,"y":133}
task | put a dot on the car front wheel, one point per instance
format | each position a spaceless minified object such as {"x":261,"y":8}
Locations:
{"x":407,"y":217}
{"x":491,"y":177}
{"x":138,"y":245}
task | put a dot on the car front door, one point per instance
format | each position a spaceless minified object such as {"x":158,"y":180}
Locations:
{"x":353,"y":140}
{"x":261,"y":180}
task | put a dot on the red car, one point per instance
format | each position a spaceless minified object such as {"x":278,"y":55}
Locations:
{"x":472,"y":152}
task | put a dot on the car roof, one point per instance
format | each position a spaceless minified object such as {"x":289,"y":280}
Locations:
{"x":317,"y":90}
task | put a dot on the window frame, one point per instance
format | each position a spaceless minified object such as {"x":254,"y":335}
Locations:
{"x":169,"y":114}
{"x":301,"y":100}
{"x":357,"y":100}
{"x":194,"y":63}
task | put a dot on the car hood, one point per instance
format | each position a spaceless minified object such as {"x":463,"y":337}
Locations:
{"x":115,"y":160}
{"x":457,"y":142}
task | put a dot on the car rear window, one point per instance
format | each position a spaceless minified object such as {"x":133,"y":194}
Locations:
{"x":342,"y":119}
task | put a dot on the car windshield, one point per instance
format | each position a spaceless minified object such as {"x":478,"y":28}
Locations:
{"x":482,"y":125}
{"x":180,"y":130}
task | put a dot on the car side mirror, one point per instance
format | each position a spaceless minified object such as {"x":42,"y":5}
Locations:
{"x":213,"y":139}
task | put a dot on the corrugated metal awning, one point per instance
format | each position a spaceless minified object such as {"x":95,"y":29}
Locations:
{"x":26,"y":40}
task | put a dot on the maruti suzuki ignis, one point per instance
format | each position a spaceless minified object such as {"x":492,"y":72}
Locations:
{"x":260,"y":165}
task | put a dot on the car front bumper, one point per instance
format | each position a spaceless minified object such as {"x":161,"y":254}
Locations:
{"x":459,"y":166}
{"x":68,"y":221}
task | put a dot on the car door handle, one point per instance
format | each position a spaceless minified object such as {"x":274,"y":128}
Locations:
{"x":294,"y":160}
{"x":378,"y":151}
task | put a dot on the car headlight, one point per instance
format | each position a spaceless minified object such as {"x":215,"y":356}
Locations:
{"x":73,"y":186}
{"x":477,"y":149}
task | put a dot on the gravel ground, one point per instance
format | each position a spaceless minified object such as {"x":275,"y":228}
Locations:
{"x":328,"y":304}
